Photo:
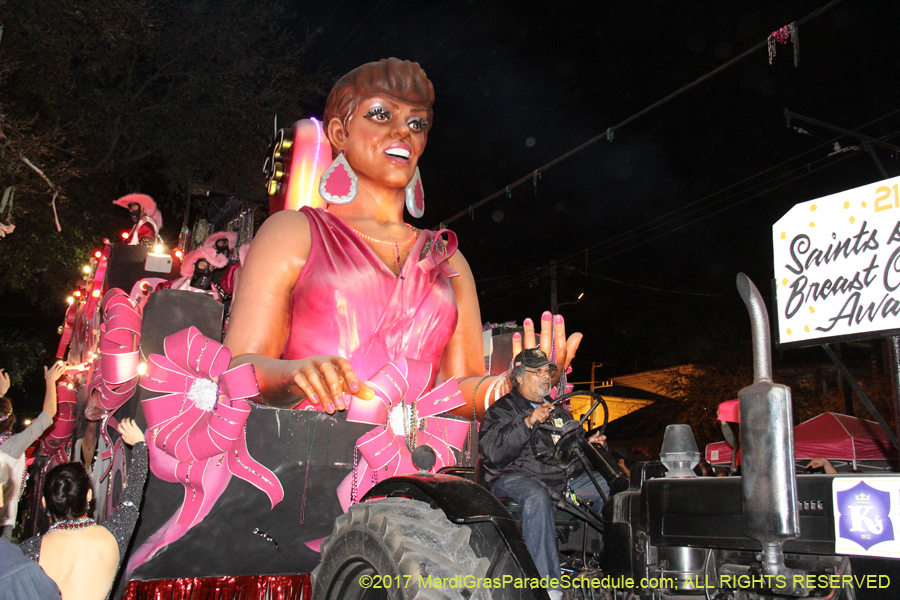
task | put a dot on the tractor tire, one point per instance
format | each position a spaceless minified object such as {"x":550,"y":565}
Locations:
{"x":393,"y":546}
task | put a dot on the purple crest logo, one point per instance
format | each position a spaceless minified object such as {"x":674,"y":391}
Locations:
{"x":864,"y":515}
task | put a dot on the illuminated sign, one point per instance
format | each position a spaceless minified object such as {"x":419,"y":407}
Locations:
{"x":837,"y":266}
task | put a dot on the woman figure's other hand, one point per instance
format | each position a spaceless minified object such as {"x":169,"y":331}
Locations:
{"x":325,"y":380}
{"x":4,"y":382}
{"x":565,"y":347}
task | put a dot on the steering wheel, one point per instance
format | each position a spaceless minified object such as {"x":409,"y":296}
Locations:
{"x":571,"y":434}
{"x":573,"y":446}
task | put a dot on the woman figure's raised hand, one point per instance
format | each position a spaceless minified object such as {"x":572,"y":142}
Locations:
{"x":565,"y":347}
{"x":326,"y":380}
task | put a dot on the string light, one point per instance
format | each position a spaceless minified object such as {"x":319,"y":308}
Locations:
{"x":179,"y":253}
{"x":95,"y":293}
{"x":142,"y":368}
{"x":86,"y":268}
{"x":158,"y":248}
{"x":98,"y":254}
{"x":124,"y":235}
{"x":70,"y":299}
{"x":77,"y":293}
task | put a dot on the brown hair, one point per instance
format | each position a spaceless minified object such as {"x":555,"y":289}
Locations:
{"x":6,"y":410}
{"x":398,"y":79}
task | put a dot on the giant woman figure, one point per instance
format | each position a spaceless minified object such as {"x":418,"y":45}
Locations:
{"x":328,"y":296}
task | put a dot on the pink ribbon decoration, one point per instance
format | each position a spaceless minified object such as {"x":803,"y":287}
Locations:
{"x":402,"y":409}
{"x":68,"y":329}
{"x":196,"y":430}
{"x":436,"y":253}
{"x":94,"y":287}
{"x":54,"y":443}
{"x":141,"y":290}
{"x":120,"y":336}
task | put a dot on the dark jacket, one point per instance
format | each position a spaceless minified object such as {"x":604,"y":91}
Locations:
{"x":504,"y":443}
{"x":21,"y":579}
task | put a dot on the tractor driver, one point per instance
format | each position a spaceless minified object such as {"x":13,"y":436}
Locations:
{"x":513,"y":471}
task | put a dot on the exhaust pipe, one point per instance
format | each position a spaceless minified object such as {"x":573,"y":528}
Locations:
{"x":769,"y":484}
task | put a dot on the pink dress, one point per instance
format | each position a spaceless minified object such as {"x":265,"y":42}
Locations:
{"x":347,"y":302}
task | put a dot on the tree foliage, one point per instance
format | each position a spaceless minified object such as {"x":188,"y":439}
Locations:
{"x":108,"y":97}
{"x":815,"y":389}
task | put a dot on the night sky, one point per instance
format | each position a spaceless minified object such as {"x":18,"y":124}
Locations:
{"x":654,"y":225}
{"x":682,"y":198}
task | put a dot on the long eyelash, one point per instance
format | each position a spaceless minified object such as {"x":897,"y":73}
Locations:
{"x":423,"y":124}
{"x":378,"y":110}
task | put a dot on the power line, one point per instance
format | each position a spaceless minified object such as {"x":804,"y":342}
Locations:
{"x":651,"y":288}
{"x":678,"y":214}
{"x":668,"y":231}
{"x":455,"y":31}
{"x":608,"y":134}
{"x":805,"y":170}
{"x":825,"y":162}
{"x":342,"y":48}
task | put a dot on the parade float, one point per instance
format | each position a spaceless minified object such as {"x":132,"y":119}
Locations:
{"x":250,"y":498}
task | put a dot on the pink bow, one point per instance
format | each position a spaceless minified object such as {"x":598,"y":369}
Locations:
{"x":436,"y":253}
{"x":403,"y":411}
{"x":56,"y":441}
{"x":196,"y":430}
{"x":120,"y":336}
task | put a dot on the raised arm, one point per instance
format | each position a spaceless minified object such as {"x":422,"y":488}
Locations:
{"x":260,"y":313}
{"x":463,"y":356}
{"x":122,"y":522}
{"x":51,"y":376}
{"x":17,"y":444}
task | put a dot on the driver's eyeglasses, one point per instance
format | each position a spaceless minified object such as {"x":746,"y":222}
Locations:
{"x":542,"y":372}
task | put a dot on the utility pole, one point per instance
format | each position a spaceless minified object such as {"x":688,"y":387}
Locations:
{"x":893,"y":341}
{"x":554,"y":303}
{"x":594,"y":379}
{"x":866,"y":141}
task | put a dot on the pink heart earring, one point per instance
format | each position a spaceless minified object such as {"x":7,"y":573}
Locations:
{"x":415,"y":196}
{"x":338,"y":184}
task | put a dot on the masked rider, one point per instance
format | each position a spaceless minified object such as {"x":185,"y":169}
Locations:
{"x":197,"y":269}
{"x":146,"y":218}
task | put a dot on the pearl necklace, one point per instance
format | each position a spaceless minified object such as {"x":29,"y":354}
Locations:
{"x":72,"y":525}
{"x":413,"y":235}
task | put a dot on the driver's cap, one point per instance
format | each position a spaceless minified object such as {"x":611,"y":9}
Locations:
{"x":533,"y":358}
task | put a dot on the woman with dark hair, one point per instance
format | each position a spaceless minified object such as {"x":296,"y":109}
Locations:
{"x":81,"y":556}
{"x":329,"y":296}
{"x":13,"y":446}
